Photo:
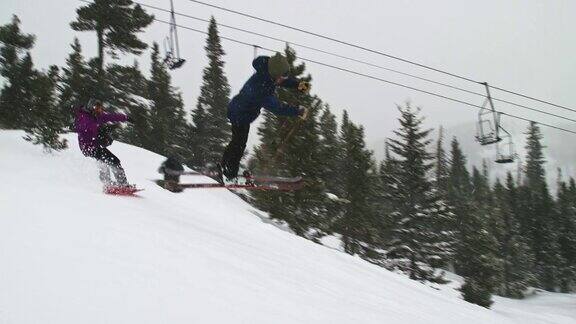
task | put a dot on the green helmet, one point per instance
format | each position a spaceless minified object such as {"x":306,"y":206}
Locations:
{"x":278,"y":66}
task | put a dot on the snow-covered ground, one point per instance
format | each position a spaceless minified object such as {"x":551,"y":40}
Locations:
{"x":70,"y":254}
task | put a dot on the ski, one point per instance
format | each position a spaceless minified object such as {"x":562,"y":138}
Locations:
{"x":253,"y":178}
{"x":281,"y":186}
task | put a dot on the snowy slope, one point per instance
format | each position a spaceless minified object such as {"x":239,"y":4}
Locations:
{"x":70,"y":254}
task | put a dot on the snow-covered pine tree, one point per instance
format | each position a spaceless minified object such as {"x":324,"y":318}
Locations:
{"x":388,"y":180}
{"x":47,"y":122}
{"x":76,"y":86}
{"x":441,"y":167}
{"x":330,"y":153}
{"x":196,"y":147}
{"x":289,"y":147}
{"x":212,"y":132}
{"x":516,"y":257}
{"x":538,"y":214}
{"x":167,"y":117}
{"x":116,"y":23}
{"x":129,"y":93}
{"x":481,"y":191}
{"x":357,"y":223}
{"x":459,"y":197}
{"x":330,"y":150}
{"x":416,"y":243}
{"x":17,"y":69}
{"x":566,"y":205}
{"x":440,"y":184}
{"x":477,"y":253}
{"x":481,"y":269}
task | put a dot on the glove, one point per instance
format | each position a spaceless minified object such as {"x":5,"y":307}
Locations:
{"x":304,"y":86}
{"x":303,"y":112}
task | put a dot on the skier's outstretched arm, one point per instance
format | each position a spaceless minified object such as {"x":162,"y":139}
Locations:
{"x":277,"y":107}
{"x":111,"y":118}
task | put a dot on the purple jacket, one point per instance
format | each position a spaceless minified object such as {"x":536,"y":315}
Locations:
{"x":87,"y":127}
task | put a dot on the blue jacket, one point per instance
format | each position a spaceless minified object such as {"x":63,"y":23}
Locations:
{"x":258,"y":92}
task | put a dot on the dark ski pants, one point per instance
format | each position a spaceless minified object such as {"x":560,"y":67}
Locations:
{"x":108,"y":161}
{"x":235,"y":150}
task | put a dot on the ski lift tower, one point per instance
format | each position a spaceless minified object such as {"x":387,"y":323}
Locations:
{"x":488,"y":121}
{"x":171,"y":46}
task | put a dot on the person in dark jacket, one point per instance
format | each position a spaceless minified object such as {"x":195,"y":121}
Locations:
{"x":172,"y":169}
{"x":258,"y":92}
{"x":88,"y":123}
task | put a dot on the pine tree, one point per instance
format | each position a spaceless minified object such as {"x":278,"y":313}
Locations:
{"x":116,"y":23}
{"x":357,"y":223}
{"x":441,"y":183}
{"x":167,"y":116}
{"x":481,"y":192}
{"x":441,"y":165}
{"x":517,"y":259}
{"x":567,"y":234}
{"x":481,"y":269}
{"x":330,"y":153}
{"x":330,"y":150}
{"x":538,"y":213}
{"x":130,"y":95}
{"x":212,"y":133}
{"x":459,"y":197}
{"x":477,"y":254}
{"x":76,"y":86}
{"x":389,"y":178}
{"x":17,"y":69}
{"x":483,"y":266}
{"x":476,"y":250}
{"x":416,"y":244}
{"x":198,"y":147}
{"x":47,"y":124}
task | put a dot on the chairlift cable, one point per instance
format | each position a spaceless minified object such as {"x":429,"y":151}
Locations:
{"x":369,"y":64}
{"x":376,"y":52}
{"x":374,"y":78}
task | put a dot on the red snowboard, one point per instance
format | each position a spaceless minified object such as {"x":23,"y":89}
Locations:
{"x":121,"y":190}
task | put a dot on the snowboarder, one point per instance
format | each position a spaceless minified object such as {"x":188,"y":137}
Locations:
{"x":172,"y":170}
{"x":90,"y":123}
{"x":244,"y":108}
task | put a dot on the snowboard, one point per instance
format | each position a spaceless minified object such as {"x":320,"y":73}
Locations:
{"x":121,"y":190}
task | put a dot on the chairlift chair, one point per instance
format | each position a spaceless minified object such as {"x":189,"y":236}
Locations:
{"x":171,"y":46}
{"x":488,"y":122}
{"x":505,"y":152}
{"x":487,"y":128}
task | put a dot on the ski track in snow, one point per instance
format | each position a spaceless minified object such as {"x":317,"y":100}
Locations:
{"x":71,"y":254}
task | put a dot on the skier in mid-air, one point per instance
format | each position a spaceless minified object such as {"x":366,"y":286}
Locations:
{"x":244,"y":108}
{"x":89,"y":123}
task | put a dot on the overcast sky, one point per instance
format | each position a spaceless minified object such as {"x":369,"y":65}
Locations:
{"x":527,"y":46}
